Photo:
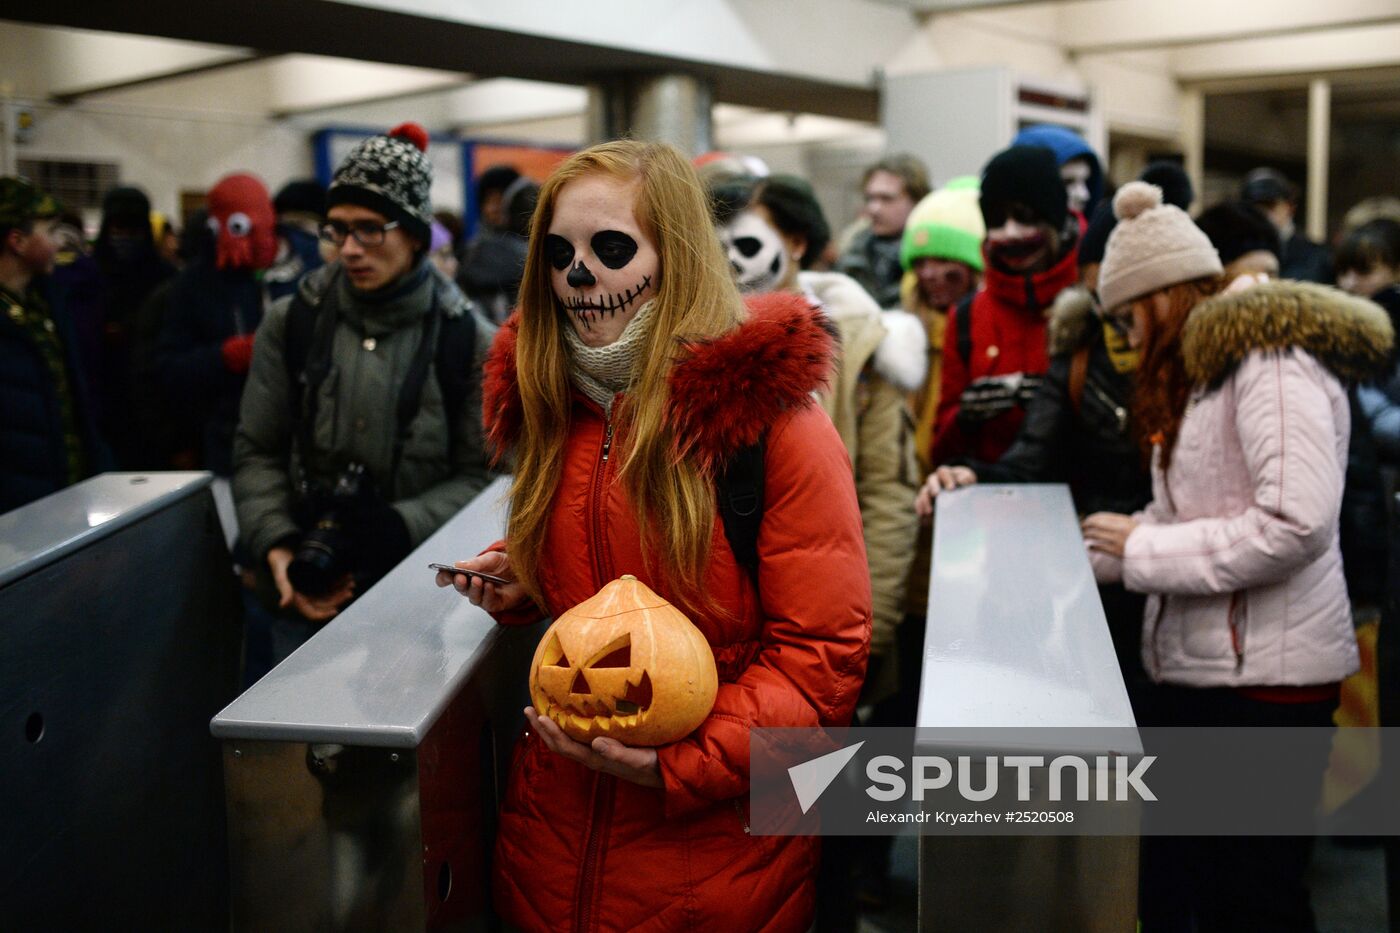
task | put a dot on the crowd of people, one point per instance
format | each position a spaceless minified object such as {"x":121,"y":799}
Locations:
{"x":641,"y":344}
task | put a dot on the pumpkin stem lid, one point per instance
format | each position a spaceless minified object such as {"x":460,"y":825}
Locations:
{"x":628,"y":576}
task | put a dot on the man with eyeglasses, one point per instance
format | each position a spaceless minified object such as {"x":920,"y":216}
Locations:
{"x":360,"y":426}
{"x":890,"y":188}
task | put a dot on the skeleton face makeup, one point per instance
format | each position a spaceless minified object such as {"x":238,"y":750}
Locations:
{"x":604,"y":266}
{"x":757,"y":253}
{"x":1075,"y":174}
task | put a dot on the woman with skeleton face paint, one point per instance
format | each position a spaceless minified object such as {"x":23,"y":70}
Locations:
{"x":628,"y":378}
{"x":773,"y":228}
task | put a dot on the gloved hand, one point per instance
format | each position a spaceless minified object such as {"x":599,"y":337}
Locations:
{"x":988,"y":397}
{"x":238,"y":353}
{"x":1030,"y":385}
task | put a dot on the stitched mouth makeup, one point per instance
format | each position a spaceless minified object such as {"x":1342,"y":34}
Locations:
{"x":590,"y":309}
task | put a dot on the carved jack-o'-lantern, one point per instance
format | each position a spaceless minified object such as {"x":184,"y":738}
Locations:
{"x":626,"y":664}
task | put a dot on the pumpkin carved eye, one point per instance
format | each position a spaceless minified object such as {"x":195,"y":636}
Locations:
{"x":554,"y":653}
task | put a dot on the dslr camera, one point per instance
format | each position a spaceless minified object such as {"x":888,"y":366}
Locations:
{"x":329,"y":549}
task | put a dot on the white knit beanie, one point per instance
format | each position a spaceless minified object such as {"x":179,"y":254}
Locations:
{"x":1153,"y":246}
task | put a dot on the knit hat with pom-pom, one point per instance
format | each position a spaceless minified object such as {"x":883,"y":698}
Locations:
{"x":390,"y":174}
{"x":1153,"y":246}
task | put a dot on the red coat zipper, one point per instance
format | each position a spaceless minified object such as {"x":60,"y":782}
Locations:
{"x":604,"y":785}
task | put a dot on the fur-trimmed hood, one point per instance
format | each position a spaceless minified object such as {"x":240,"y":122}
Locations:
{"x":1350,"y":336}
{"x":893,"y":341}
{"x":725,"y":392}
{"x":1071,"y":318}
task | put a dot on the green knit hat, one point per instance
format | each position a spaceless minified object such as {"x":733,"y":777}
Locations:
{"x":946,"y":224}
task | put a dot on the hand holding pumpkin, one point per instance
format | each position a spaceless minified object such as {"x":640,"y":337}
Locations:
{"x":638,"y":765}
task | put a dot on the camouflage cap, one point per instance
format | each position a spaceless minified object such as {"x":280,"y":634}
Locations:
{"x":21,"y":202}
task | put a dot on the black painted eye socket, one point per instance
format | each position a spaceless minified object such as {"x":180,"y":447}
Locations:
{"x":748,"y":246}
{"x":558,"y":251}
{"x":613,"y":248}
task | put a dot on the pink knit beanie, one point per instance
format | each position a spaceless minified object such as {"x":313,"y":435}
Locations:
{"x":1153,"y":246}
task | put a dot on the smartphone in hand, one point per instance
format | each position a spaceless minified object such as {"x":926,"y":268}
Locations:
{"x":487,"y":577}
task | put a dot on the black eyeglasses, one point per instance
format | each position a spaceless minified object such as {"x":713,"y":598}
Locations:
{"x":366,"y":233}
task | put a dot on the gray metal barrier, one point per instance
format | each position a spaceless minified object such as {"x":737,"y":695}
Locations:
{"x":1016,"y":637}
{"x":362,"y":772}
{"x":119,"y":619}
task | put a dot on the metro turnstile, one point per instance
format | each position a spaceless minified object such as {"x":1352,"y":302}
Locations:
{"x":119,"y":621}
{"x":1016,"y":637}
{"x":362,"y":771}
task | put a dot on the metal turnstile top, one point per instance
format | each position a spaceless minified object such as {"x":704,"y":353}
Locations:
{"x":35,"y":535}
{"x":381,"y":672}
{"x":1016,"y":633}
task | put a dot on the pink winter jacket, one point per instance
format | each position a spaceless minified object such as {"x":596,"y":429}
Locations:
{"x":1239,"y":547}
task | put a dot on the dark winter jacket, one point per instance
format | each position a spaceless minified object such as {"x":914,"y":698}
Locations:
{"x":1305,"y":261}
{"x":1092,"y":448}
{"x":33,"y":448}
{"x":128,"y":341}
{"x":375,"y":340}
{"x":581,"y":850}
{"x":204,"y":307}
{"x":873,"y":261}
{"x":1009,"y":316}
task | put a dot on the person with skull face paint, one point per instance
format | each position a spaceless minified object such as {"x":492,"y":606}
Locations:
{"x":773,"y":230}
{"x":1030,"y":254}
{"x":629,"y":376}
{"x":1080,"y":168}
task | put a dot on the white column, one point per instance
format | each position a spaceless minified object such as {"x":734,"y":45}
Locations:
{"x":1319,"y":140}
{"x":1193,"y":137}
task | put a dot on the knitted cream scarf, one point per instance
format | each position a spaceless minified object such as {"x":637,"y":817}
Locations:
{"x":602,"y":372}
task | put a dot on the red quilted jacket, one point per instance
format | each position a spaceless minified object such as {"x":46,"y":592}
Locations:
{"x":579,"y":850}
{"x":1009,"y":316}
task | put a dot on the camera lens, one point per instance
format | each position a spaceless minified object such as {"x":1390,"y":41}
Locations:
{"x":321,"y":560}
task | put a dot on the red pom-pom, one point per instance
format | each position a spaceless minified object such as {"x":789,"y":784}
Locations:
{"x":413,"y":133}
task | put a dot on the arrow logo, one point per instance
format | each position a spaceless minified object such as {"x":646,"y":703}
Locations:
{"x":811,"y":778}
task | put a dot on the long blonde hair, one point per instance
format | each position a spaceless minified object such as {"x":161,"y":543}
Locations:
{"x":695,"y":300}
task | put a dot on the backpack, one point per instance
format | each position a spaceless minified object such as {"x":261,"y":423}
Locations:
{"x":446,"y":341}
{"x":739,"y":493}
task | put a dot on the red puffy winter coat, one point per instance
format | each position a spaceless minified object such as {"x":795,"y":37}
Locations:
{"x":580,"y":850}
{"x":1009,"y":316}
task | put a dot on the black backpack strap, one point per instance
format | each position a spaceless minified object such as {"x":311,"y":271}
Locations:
{"x":739,"y":489}
{"x":964,"y":328}
{"x":306,"y":354}
{"x":456,"y":363}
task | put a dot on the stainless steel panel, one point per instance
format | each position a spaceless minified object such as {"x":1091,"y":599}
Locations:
{"x":380,"y":673}
{"x":364,"y":771}
{"x":1016,"y":637}
{"x":45,"y":530}
{"x":121,"y":635}
{"x":323,"y":837}
{"x":1016,"y":634}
